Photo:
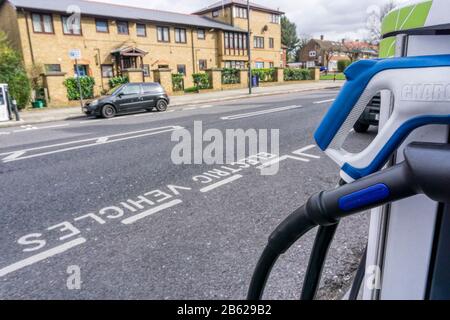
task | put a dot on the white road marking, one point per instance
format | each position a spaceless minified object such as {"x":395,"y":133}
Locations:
{"x":301,"y":152}
{"x":102,"y":140}
{"x":324,"y":101}
{"x":41,"y":128}
{"x":41,"y":256}
{"x":89,"y":121}
{"x":126,"y":136}
{"x":5,"y":133}
{"x":170,"y":111}
{"x":187,"y":109}
{"x":278,"y":160}
{"x":151,"y":212}
{"x":207,"y":106}
{"x":258,"y":113}
{"x":221,"y":183}
{"x":14,"y":156}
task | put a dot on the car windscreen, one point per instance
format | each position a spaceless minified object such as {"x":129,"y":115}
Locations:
{"x":115,"y":90}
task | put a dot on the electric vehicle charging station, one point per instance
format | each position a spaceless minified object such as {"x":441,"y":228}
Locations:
{"x":399,"y":173}
{"x":403,"y":240}
{"x":4,"y":109}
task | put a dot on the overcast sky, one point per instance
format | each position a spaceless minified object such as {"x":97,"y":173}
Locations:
{"x":335,"y":19}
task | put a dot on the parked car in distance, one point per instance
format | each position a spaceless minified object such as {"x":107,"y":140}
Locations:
{"x":370,"y":117}
{"x":130,"y":97}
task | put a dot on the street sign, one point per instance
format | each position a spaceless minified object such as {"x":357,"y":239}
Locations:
{"x":75,"y":54}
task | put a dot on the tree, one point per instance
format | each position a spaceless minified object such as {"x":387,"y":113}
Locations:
{"x":303,"y":41}
{"x":289,"y":37}
{"x":13,"y":72}
{"x":375,"y":19}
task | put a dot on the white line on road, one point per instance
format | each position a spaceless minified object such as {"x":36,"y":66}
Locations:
{"x":301,"y":152}
{"x":280,"y":159}
{"x":89,"y":121}
{"x":41,"y":128}
{"x":150,"y":212}
{"x":134,"y":135}
{"x":187,"y":109}
{"x":258,"y":113}
{"x":5,"y":133}
{"x":14,"y":156}
{"x":41,"y":256}
{"x":324,"y":101}
{"x":221,"y":183}
{"x":206,"y":107}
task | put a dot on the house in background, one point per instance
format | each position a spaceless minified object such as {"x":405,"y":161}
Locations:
{"x":119,"y":40}
{"x":325,"y":53}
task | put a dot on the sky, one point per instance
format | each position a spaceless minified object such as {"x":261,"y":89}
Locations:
{"x":335,"y":19}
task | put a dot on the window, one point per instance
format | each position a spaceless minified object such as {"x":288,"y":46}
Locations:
{"x":271,"y":65}
{"x":107,"y":71}
{"x":275,"y":18}
{"x":235,"y":64}
{"x":151,"y":87}
{"x":312,"y":54}
{"x":215,"y":13}
{"x":181,"y":68}
{"x":163,"y":66}
{"x":146,"y":70}
{"x":240,"y":12}
{"x":71,"y":26}
{"x":259,"y":42}
{"x":42,"y":23}
{"x":202,"y":64}
{"x":163,"y":34}
{"x":122,"y":27}
{"x":131,"y":89}
{"x":259,"y":65}
{"x":201,"y":34}
{"x":141,"y":30}
{"x":49,"y":68}
{"x":180,"y":35}
{"x":101,"y":26}
{"x":235,"y":43}
{"x":2,"y":100}
{"x":82,"y":70}
{"x":271,"y":43}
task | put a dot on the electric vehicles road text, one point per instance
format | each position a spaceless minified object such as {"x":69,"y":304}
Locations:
{"x":129,"y":97}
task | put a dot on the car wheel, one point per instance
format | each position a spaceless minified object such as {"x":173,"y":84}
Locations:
{"x":361,"y":127}
{"x":108,"y":111}
{"x":161,"y":105}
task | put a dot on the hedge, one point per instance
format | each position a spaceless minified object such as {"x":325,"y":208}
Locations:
{"x":296,"y":74}
{"x":178,"y":82}
{"x":231,"y":76}
{"x":87,"y":88}
{"x":13,"y":73}
{"x":117,"y":81}
{"x":201,"y":80}
{"x":264,"y":75}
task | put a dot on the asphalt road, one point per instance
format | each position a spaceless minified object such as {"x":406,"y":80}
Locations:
{"x":104,"y":198}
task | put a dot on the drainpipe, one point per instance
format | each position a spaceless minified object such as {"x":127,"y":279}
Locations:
{"x":249,"y":50}
{"x":29,"y":36}
{"x":193,"y":50}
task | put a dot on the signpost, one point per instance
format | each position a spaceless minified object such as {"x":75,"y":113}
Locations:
{"x":75,"y":54}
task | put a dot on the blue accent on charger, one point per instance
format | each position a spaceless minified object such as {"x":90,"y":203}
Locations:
{"x":359,"y":75}
{"x":394,"y":142}
{"x":365,"y":197}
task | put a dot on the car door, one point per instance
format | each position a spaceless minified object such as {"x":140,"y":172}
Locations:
{"x":150,"y":92}
{"x":129,"y":98}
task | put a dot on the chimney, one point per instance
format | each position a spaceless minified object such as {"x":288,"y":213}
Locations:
{"x":343,"y":41}
{"x":322,"y":37}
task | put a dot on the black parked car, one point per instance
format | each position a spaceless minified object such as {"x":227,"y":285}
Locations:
{"x":370,"y":117}
{"x":130,"y":97}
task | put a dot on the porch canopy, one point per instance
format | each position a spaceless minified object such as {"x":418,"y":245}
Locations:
{"x":129,"y":58}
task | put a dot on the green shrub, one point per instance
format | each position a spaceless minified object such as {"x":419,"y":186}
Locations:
{"x":117,"y":81}
{"x":178,"y":82}
{"x":13,"y":73}
{"x":296,"y":74}
{"x":87,"y":88}
{"x":191,"y":90}
{"x":343,"y":64}
{"x":264,"y":75}
{"x":231,"y":76}
{"x":201,"y":80}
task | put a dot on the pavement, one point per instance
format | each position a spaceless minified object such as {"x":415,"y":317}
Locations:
{"x":65,"y":113}
{"x":97,"y":208}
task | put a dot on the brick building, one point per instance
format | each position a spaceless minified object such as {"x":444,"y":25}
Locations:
{"x":121,"y":40}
